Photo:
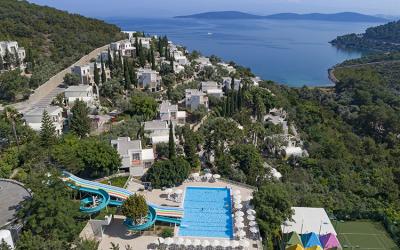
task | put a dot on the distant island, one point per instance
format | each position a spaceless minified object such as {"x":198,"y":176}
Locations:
{"x":337,"y":17}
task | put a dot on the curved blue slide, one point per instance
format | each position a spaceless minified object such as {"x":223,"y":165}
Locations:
{"x":101,"y":198}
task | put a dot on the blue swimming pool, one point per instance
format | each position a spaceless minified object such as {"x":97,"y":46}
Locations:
{"x":207,"y":213}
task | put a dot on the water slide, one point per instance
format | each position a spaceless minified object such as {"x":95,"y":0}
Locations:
{"x":104,"y":195}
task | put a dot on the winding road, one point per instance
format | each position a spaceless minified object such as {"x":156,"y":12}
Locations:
{"x":45,"y":93}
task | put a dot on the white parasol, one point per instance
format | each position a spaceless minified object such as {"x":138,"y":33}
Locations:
{"x":216,"y":176}
{"x":254,"y":230}
{"x":238,"y":206}
{"x":251,"y":211}
{"x":239,"y":219}
{"x":225,"y":243}
{"x":169,"y":241}
{"x":161,"y":240}
{"x":205,"y":243}
{"x":239,"y":224}
{"x":239,"y":213}
{"x":235,"y":244}
{"x":178,"y":191}
{"x":245,"y":243}
{"x":187,"y":242}
{"x":241,"y":233}
{"x":252,"y":223}
{"x":215,"y":243}
{"x":196,"y":242}
{"x":195,"y":175}
{"x":208,"y":175}
{"x":251,"y":217}
{"x":236,"y":192}
{"x":180,"y":241}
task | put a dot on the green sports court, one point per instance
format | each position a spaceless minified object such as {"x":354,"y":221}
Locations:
{"x":364,"y":235}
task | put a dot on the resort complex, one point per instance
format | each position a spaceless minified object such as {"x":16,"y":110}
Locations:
{"x":114,"y":139}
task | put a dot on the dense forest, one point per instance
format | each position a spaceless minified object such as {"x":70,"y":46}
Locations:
{"x":352,"y":135}
{"x":376,"y":39}
{"x":53,"y":40}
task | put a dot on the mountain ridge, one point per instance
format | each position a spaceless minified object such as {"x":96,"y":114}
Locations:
{"x":337,"y":17}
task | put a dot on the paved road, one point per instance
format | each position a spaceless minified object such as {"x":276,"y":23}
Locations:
{"x":43,"y":95}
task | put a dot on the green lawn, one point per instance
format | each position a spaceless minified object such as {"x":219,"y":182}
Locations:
{"x":117,"y":181}
{"x":364,"y":235}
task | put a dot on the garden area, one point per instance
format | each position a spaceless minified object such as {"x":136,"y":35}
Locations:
{"x":118,"y":181}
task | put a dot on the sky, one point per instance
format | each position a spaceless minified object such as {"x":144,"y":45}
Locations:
{"x":169,"y":8}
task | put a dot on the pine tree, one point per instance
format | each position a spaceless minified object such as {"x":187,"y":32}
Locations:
{"x":96,"y":74}
{"x":47,"y":131}
{"x":80,"y":122}
{"x":103,"y":72}
{"x":171,"y":142}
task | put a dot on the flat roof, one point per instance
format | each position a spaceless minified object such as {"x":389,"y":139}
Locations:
{"x":309,"y":220}
{"x":78,"y":88}
{"x":39,"y":111}
{"x":12,"y":193}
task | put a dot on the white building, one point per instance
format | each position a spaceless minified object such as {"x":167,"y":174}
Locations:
{"x":308,"y":220}
{"x":203,"y":62}
{"x":169,"y":112}
{"x":228,"y":67}
{"x":135,"y":159}
{"x":182,"y":60}
{"x":33,"y":118}
{"x":80,"y":92}
{"x":157,"y":131}
{"x":149,"y":79}
{"x":212,"y":89}
{"x":194,"y":98}
{"x":12,"y":48}
{"x":227,"y":82}
{"x":125,"y":47}
{"x":146,"y":42}
{"x":86,"y":72}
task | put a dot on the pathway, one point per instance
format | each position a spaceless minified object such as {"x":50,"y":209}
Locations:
{"x":45,"y":93}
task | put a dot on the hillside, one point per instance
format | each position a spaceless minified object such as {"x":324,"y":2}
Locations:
{"x":336,"y":17}
{"x":53,"y":39}
{"x":381,"y":38}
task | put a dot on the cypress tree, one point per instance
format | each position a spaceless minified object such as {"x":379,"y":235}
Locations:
{"x":103,"y":72}
{"x":47,"y":131}
{"x":109,"y":59}
{"x":233,"y":83}
{"x":120,"y":60}
{"x":132,"y":74}
{"x":137,"y":46}
{"x":80,"y":122}
{"x":228,"y":106}
{"x":96,"y":74}
{"x":1,"y":63}
{"x":153,"y":59}
{"x":171,"y":64}
{"x":127,"y":76}
{"x":171,"y":142}
{"x":239,"y":99}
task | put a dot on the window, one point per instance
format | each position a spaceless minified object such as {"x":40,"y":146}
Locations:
{"x":148,"y":164}
{"x":135,"y":156}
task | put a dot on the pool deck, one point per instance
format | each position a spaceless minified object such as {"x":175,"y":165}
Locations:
{"x":116,"y":232}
